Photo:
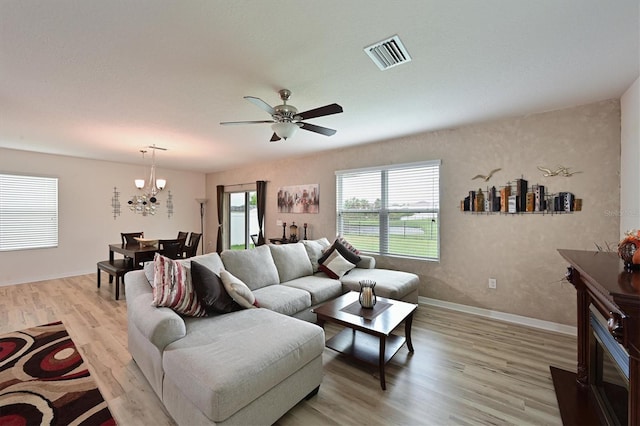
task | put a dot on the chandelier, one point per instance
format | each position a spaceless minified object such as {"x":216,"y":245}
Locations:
{"x":146,"y":202}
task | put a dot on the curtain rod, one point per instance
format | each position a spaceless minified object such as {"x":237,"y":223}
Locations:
{"x":242,"y":184}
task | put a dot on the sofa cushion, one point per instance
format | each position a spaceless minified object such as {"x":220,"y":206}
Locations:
{"x":249,"y":353}
{"x":315,"y":250}
{"x":319,"y":286}
{"x":335,"y":266}
{"x":238,"y":290}
{"x":283,"y":299}
{"x":390,"y":284}
{"x":173,"y":288}
{"x":210,"y":260}
{"x":211,"y":292}
{"x":255,"y":267}
{"x":149,"y":271}
{"x":291,"y":260}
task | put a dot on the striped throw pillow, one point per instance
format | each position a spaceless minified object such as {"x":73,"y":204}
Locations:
{"x":173,"y":288}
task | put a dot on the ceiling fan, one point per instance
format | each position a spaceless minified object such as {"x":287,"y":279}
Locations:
{"x":286,"y":119}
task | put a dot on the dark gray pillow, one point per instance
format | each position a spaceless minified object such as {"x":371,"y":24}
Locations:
{"x":344,"y":251}
{"x":211,"y":293}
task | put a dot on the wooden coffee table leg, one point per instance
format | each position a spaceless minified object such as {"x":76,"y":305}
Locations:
{"x":383,"y":344}
{"x":407,"y":331}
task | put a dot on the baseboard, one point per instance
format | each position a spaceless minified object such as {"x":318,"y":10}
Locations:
{"x":502,"y":316}
{"x":47,"y":277}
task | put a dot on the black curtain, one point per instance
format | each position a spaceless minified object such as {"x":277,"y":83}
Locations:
{"x":261,"y":190}
{"x":220,"y":198}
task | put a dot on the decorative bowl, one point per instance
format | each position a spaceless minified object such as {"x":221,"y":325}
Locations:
{"x":146,"y":242}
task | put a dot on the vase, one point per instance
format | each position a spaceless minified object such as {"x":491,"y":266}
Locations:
{"x":627,"y":252}
{"x":367,"y":296}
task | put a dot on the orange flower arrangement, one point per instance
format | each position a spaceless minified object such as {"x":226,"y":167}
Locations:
{"x":632,"y":236}
{"x":629,"y":247}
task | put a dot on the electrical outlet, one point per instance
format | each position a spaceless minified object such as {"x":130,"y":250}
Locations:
{"x":492,"y":283}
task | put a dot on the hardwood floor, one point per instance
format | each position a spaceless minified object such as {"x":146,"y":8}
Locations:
{"x":466,"y":370}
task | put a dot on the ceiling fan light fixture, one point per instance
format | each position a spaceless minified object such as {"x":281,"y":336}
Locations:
{"x":284,"y":130}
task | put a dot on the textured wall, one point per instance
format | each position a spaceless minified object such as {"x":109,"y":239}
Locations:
{"x":518,"y":250}
{"x":86,"y":225}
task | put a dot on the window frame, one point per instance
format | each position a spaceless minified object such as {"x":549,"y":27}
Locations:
{"x":30,"y":194}
{"x":384,"y":212}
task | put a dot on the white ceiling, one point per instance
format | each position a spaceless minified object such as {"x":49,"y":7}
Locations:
{"x":103,"y":79}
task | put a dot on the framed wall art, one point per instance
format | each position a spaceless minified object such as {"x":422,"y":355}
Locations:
{"x":299,"y":199}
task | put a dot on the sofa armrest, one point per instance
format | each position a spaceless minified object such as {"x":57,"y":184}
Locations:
{"x":366,"y":262}
{"x":161,"y":326}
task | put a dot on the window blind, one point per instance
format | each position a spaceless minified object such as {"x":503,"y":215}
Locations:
{"x":391,"y":210}
{"x":28,"y":212}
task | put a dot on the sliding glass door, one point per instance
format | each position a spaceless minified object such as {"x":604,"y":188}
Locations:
{"x":243,"y":220}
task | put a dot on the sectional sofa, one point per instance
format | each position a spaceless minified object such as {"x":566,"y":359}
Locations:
{"x":249,"y":366}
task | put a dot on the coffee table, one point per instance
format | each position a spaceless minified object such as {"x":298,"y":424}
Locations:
{"x":367,"y":336}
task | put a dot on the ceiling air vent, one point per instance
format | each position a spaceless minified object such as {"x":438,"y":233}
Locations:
{"x":388,"y":53}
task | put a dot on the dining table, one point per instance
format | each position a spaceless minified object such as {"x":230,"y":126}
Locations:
{"x":135,"y":251}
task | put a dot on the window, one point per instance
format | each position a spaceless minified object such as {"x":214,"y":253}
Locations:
{"x":28,"y":212}
{"x":243,"y":219}
{"x":391,"y":210}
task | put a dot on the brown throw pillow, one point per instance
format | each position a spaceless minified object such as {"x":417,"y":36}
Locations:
{"x":211,"y":293}
{"x":347,"y":244}
{"x":350,"y":255}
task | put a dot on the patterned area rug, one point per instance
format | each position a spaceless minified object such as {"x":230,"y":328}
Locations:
{"x":44,"y":381}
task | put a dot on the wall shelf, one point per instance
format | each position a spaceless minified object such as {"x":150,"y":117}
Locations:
{"x":518,"y":197}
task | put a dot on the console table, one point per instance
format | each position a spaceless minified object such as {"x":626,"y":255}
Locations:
{"x":601,"y":282}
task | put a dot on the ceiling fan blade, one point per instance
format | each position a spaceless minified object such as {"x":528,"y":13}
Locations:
{"x":318,"y":129}
{"x":261,"y":104}
{"x":320,"y":112}
{"x":275,"y":138}
{"x":233,"y":123}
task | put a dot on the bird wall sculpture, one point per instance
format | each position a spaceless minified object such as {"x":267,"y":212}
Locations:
{"x":560,"y":171}
{"x":486,"y":177}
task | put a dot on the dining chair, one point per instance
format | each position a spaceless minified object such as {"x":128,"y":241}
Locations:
{"x":130,"y":238}
{"x":173,"y":249}
{"x":182,"y":235}
{"x":191,"y":249}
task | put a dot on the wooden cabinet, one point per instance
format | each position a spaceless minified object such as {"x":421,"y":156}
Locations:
{"x":604,"y":286}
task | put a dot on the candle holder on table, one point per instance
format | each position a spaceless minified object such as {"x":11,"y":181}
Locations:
{"x":293,"y":233}
{"x":367,"y":297}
